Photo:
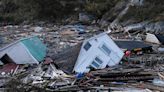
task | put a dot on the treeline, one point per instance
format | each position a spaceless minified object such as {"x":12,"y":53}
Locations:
{"x":152,"y":10}
{"x":20,"y":10}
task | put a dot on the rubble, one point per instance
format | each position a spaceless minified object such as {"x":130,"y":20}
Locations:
{"x":161,"y":49}
{"x":139,"y":67}
{"x":91,"y":45}
{"x":155,"y":38}
{"x":158,"y":82}
{"x":38,"y":29}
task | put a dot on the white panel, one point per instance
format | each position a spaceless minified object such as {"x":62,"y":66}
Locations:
{"x":20,"y":55}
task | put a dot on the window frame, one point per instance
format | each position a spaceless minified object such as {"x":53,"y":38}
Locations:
{"x":97,"y":62}
{"x":87,"y":47}
{"x":105,"y":52}
{"x":93,"y":65}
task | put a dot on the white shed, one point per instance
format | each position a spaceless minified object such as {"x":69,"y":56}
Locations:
{"x":98,"y":52}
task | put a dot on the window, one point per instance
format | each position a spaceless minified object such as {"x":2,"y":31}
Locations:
{"x":87,"y":46}
{"x":106,"y":49}
{"x":98,"y":60}
{"x":96,"y":63}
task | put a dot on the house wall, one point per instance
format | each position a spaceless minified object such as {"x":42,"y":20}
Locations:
{"x":19,"y":54}
{"x":86,"y":57}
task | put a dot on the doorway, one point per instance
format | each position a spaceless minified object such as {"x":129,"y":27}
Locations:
{"x":6,"y":59}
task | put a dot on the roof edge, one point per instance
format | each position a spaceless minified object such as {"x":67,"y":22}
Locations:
{"x":13,"y":43}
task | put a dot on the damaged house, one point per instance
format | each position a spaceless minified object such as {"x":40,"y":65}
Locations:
{"x":94,"y":53}
{"x":97,"y":53}
{"x":25,"y":51}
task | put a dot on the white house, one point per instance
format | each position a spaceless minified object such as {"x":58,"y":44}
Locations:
{"x":24,"y":51}
{"x":98,"y":52}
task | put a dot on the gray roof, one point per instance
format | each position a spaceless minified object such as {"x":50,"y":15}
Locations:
{"x":131,"y":45}
{"x":67,"y":59}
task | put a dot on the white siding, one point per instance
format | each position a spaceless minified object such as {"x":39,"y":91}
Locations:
{"x":86,"y":57}
{"x":19,"y":54}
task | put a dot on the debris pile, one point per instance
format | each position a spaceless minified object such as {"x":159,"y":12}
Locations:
{"x":80,"y":58}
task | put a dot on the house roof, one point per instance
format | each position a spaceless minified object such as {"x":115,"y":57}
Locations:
{"x":34,"y":45}
{"x":13,"y":43}
{"x":131,"y":45}
{"x":67,"y":59}
{"x":9,"y":45}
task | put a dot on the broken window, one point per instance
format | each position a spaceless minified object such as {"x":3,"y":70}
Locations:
{"x":105,"y":49}
{"x":87,"y":46}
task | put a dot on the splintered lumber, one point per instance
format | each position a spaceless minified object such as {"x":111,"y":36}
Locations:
{"x":152,"y":87}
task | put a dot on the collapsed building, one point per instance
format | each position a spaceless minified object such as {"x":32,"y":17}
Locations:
{"x":98,"y":52}
{"x":25,"y":51}
{"x":94,"y":53}
{"x":82,"y":66}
